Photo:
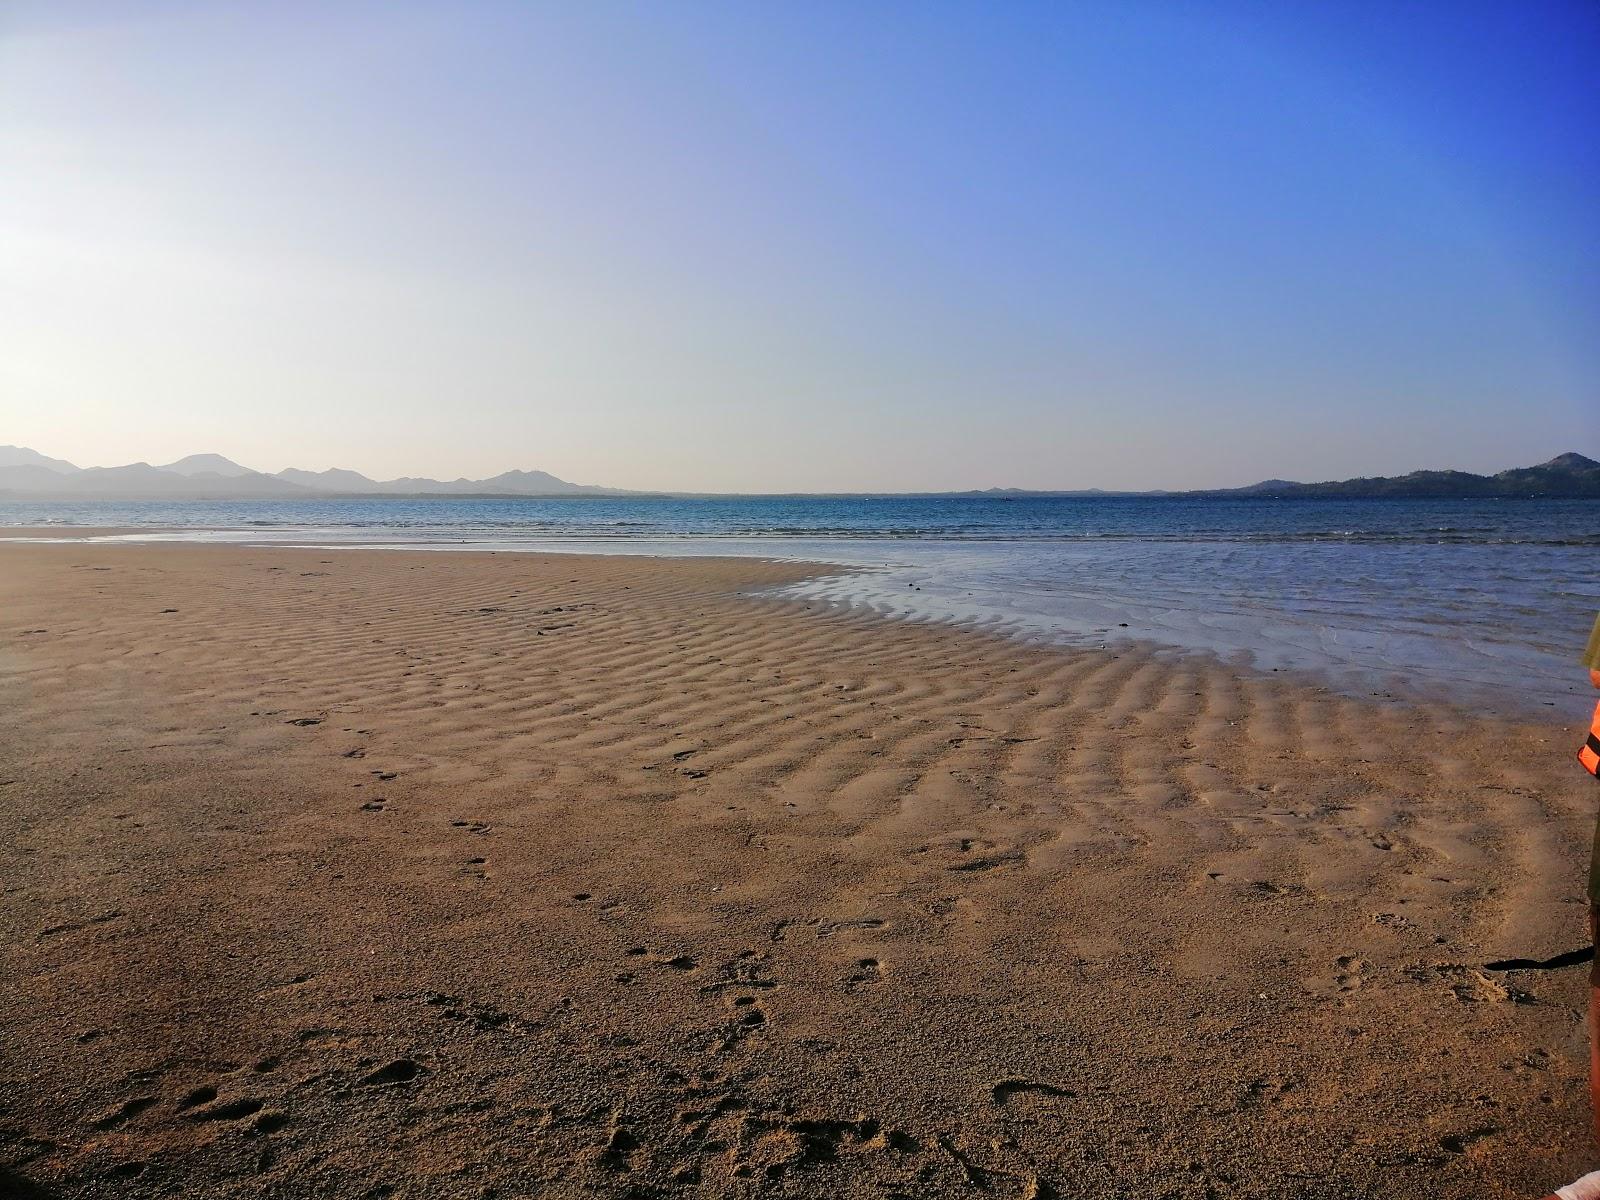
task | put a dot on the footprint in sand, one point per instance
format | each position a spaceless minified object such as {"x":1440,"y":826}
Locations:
{"x":868,"y":971}
{"x":829,"y":928}
{"x":1468,"y":984}
{"x":200,"y":1095}
{"x":1007,"y":1090}
{"x":741,"y":976}
{"x":1393,"y":921}
{"x":1474,"y":987}
{"x":228,"y":1110}
{"x":748,"y":1017}
{"x":1260,"y":1093}
{"x":1458,"y":1143}
{"x":123,"y":1112}
{"x":202,"y":1104}
{"x":1350,"y":972}
{"x":989,"y":862}
{"x":401,"y":1070}
{"x":270,"y":1121}
{"x":1267,"y":887}
{"x":621,"y":1145}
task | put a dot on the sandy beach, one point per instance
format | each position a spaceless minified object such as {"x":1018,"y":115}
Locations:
{"x":383,"y":873}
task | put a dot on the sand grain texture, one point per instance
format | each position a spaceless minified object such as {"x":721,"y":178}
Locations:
{"x":404,"y":874}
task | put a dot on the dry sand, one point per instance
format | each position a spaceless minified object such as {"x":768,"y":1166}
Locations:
{"x":406,"y":874}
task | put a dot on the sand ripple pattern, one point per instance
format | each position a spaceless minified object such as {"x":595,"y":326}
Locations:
{"x":393,"y":873}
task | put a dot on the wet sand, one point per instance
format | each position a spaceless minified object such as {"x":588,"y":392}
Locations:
{"x":382,"y":873}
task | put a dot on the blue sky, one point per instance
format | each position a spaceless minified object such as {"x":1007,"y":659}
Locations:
{"x":809,"y":246}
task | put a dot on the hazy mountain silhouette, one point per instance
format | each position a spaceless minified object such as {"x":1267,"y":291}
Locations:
{"x":507,"y":483}
{"x":21,"y":456}
{"x":334,"y":479}
{"x":26,"y":473}
{"x":207,"y":464}
{"x":137,"y":481}
{"x":1566,"y":475}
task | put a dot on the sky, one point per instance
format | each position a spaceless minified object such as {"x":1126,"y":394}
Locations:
{"x":812,"y":246}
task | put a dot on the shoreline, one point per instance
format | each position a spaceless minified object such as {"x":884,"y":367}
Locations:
{"x":1380,"y":663}
{"x":598,"y":874}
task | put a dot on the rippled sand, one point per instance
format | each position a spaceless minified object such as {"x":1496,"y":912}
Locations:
{"x":467,"y":875}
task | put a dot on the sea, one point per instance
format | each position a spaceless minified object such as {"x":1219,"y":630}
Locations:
{"x":1487,"y":603}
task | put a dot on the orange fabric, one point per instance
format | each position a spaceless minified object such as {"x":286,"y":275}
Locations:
{"x":1589,"y":756}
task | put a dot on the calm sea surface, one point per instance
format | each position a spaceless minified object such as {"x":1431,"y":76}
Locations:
{"x":1485,"y":601}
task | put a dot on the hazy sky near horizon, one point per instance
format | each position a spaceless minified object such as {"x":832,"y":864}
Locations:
{"x":805,"y":246}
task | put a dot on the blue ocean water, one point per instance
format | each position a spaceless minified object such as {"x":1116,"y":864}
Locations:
{"x":1485,"y":601}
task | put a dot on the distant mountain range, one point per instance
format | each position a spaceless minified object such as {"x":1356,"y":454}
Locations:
{"x":1568,"y":475}
{"x":27,"y":474}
